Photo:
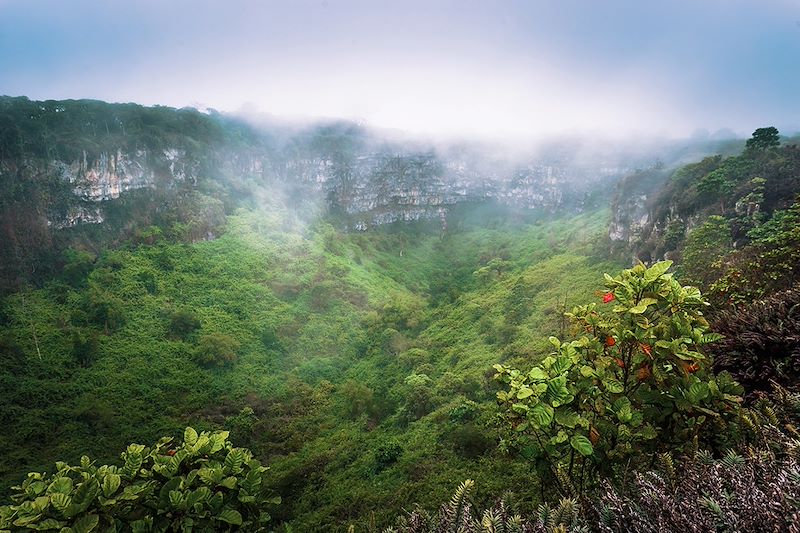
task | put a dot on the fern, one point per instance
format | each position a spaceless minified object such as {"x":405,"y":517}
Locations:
{"x":459,"y":505}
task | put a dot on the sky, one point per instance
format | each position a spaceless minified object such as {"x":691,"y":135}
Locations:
{"x":485,"y":69}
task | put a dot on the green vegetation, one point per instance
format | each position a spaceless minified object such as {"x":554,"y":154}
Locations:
{"x":635,"y":386}
{"x":341,"y":360}
{"x":203,"y":484}
{"x":358,"y":365}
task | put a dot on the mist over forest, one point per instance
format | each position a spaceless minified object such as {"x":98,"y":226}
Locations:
{"x":405,"y":268}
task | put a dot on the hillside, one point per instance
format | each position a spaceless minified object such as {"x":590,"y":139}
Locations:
{"x":373,"y":320}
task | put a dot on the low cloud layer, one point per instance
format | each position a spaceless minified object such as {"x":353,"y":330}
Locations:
{"x":495,"y":70}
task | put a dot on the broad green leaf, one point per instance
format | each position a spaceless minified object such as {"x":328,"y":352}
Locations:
{"x":642,"y":306}
{"x":560,"y":437}
{"x":42,"y":502}
{"x":230,"y":516}
{"x":190,"y":436}
{"x":624,"y":414}
{"x":524,"y":392}
{"x":176,"y":498}
{"x":557,"y":392}
{"x":86,"y":524}
{"x":582,"y":445}
{"x":562,"y":364}
{"x":144,"y":525}
{"x":229,"y":482}
{"x":62,"y":485}
{"x":110,"y":484}
{"x":84,"y":495}
{"x":215,"y":502}
{"x":711,"y":337}
{"x":537,"y":373}
{"x":541,"y":415}
{"x":210,"y":476}
{"x":520,"y":408}
{"x":166,"y":488}
{"x":567,"y":418}
{"x":656,"y":270}
{"x":613,"y":386}
{"x":697,"y":392}
{"x":60,"y":501}
{"x":48,"y":524}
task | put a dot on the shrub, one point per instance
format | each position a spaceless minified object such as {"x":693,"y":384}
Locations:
{"x":85,"y":346}
{"x":636,"y":384}
{"x":419,"y":399}
{"x":104,"y":309}
{"x":183,"y":323}
{"x":202,"y":484}
{"x":761,"y":342}
{"x":216,"y":350}
{"x":387,"y":454}
{"x":753,"y":488}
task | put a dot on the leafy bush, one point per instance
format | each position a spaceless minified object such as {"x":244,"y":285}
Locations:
{"x":761,"y":342}
{"x":636,"y":385}
{"x":705,"y":245}
{"x":183,"y":323}
{"x":216,"y":349}
{"x":755,"y":487}
{"x":203,"y":484}
{"x":387,"y":454}
{"x":767,"y":265}
{"x":85,"y":346}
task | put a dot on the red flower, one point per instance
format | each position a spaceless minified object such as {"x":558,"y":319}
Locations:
{"x":610,"y":341}
{"x":607,"y":297}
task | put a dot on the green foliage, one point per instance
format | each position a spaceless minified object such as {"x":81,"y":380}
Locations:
{"x":104,"y":309}
{"x":316,"y":389}
{"x":85,"y":346}
{"x":216,"y":350}
{"x":768,"y":264}
{"x":763,"y":139}
{"x":182,"y":323}
{"x":201,"y":484}
{"x":635,"y":384}
{"x":745,"y":190}
{"x":387,"y":454}
{"x":78,"y":264}
{"x":704,"y":248}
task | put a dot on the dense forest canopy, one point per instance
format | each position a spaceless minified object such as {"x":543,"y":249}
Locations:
{"x":314,"y":376}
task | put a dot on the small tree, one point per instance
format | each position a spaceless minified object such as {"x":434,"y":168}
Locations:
{"x":183,"y":323}
{"x":216,"y":349}
{"x":705,"y":245}
{"x":763,"y":139}
{"x":634,"y":385}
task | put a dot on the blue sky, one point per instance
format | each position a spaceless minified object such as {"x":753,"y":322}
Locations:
{"x":483,"y":68}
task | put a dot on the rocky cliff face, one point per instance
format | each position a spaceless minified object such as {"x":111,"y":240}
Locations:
{"x":106,"y":177}
{"x":377,"y":188}
{"x":370,"y":188}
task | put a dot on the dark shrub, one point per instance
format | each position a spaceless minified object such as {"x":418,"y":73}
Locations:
{"x":183,"y":323}
{"x":762,"y":342}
